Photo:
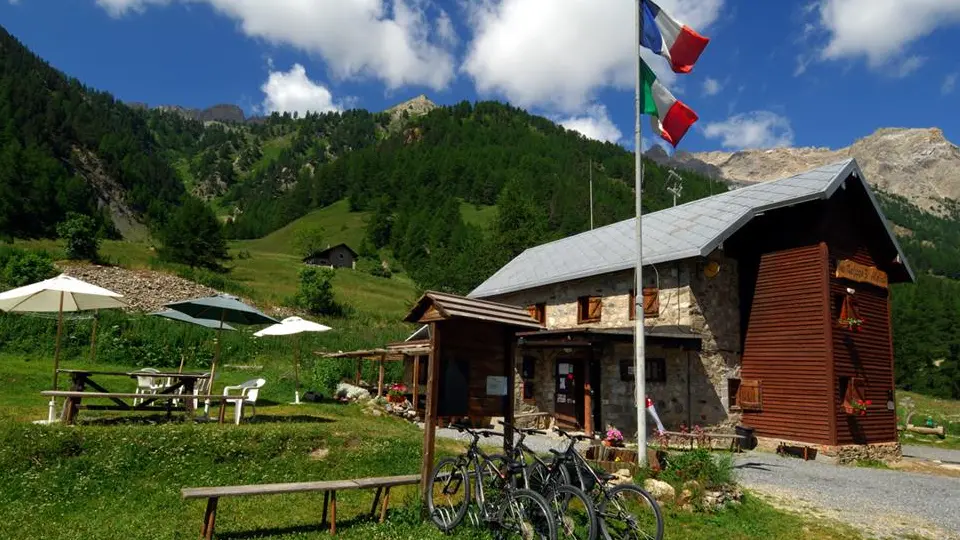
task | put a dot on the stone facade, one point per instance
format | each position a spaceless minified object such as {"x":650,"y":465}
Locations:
{"x":696,"y":386}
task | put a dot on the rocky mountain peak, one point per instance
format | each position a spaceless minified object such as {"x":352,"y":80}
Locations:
{"x":417,"y":106}
{"x":919,"y":164}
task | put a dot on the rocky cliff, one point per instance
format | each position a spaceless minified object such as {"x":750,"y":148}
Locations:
{"x":919,"y":164}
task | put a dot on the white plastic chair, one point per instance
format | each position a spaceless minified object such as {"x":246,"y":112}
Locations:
{"x":202,"y":388}
{"x":147,"y":384}
{"x":249,"y":391}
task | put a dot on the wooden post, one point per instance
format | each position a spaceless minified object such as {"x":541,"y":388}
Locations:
{"x":380,"y":377}
{"x":56,"y":353}
{"x":376,"y":501}
{"x":588,"y":397}
{"x":430,"y":414}
{"x":359,"y":365}
{"x":326,"y":502}
{"x":510,"y":353}
{"x":333,"y":513}
{"x":209,"y":518}
{"x":386,"y":502}
{"x":416,"y":382}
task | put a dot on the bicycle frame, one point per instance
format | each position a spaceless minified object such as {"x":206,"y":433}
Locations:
{"x":474,"y":461}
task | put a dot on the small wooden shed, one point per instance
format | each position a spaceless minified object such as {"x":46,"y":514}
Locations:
{"x":472,"y":361}
{"x":338,"y":256}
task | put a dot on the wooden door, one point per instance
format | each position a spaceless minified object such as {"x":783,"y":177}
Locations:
{"x":568,"y":396}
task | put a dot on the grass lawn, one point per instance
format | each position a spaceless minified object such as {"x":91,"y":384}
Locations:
{"x":110,"y":479}
{"x":944,"y":412}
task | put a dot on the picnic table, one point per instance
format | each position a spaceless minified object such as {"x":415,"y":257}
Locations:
{"x":182,"y":388}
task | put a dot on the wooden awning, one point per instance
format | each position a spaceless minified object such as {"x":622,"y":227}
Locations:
{"x":435,"y":306}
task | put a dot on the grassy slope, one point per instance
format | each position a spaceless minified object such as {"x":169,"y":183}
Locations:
{"x":479,"y":215}
{"x":944,"y":412}
{"x":122,"y":480}
{"x":338,"y":223}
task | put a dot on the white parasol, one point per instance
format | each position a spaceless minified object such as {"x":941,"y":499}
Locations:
{"x":291,"y":326}
{"x":60,"y":294}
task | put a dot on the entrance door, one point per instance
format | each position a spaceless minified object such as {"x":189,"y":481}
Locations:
{"x":568,"y":400}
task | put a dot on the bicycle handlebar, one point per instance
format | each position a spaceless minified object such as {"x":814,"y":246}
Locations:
{"x":525,"y":431}
{"x":574,"y":436}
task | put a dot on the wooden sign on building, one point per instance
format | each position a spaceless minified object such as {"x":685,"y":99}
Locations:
{"x":853,"y":271}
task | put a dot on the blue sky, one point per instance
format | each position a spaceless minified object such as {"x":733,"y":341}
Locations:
{"x":819,"y":73}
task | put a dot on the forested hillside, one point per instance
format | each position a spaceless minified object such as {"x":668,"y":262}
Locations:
{"x":64,"y":146}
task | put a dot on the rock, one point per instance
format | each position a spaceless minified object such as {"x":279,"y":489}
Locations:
{"x":351,"y":392}
{"x":320,"y":453}
{"x":659,"y":490}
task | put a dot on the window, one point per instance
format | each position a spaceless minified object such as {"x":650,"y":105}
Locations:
{"x":750,"y":396}
{"x":528,"y":370}
{"x":733,"y":386}
{"x":589,"y":309}
{"x":651,"y":303}
{"x":655,"y":370}
{"x":538,"y":312}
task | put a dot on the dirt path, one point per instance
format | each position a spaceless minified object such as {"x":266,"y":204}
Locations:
{"x":881,"y":503}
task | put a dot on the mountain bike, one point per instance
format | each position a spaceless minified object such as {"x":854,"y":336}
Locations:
{"x":573,"y":509}
{"x":624,"y":511}
{"x":511,"y":511}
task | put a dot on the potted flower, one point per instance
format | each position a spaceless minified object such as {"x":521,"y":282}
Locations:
{"x":857,"y":407}
{"x":613,"y":438}
{"x":851,"y":323}
{"x":396,"y":393}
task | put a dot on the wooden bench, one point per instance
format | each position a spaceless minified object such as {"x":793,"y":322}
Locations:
{"x":329,"y":489}
{"x":73,"y":398}
{"x":691,"y":438}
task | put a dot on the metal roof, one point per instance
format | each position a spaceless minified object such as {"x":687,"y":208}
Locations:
{"x":442,"y":306}
{"x":688,"y":230}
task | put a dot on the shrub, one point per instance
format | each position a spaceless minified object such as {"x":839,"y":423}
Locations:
{"x":194,"y":236}
{"x":706,"y":468}
{"x":316,"y":292}
{"x":19,"y":267}
{"x":309,"y":241}
{"x":80,"y":235}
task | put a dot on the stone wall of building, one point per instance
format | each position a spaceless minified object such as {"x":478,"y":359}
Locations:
{"x":697,"y":388}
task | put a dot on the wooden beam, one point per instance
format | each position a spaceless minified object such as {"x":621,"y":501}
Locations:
{"x":380,"y":377}
{"x":510,"y":356}
{"x":359,"y":366}
{"x":416,"y":382}
{"x":430,"y":414}
{"x":587,"y":397}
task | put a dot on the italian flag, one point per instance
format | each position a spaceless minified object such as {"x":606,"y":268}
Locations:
{"x":671,"y":118}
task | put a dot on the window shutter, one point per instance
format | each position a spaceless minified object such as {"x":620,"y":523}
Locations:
{"x":594,"y":308}
{"x":651,"y":302}
{"x":532,"y":310}
{"x":750,"y":396}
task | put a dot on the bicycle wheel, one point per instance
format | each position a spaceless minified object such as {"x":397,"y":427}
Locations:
{"x":630,"y":513}
{"x":448,"y":494}
{"x":574,"y":512}
{"x":526,"y":515}
{"x":541,"y":479}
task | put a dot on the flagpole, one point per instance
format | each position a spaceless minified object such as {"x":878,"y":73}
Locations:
{"x":638,"y":330}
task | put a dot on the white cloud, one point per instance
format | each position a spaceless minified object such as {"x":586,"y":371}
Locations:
{"x":711,"y":86}
{"x":445,"y":30}
{"x":881,"y":30}
{"x":559,"y":53}
{"x":387,"y":39}
{"x":949,"y":83}
{"x":757,"y":129}
{"x":595,"y":124}
{"x":909,"y":65}
{"x":294,"y":91}
{"x":802,"y":63}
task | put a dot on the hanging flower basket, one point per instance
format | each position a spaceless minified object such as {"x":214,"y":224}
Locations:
{"x":857,"y":407}
{"x":396,"y":393}
{"x":849,"y":318}
{"x":614,"y":438}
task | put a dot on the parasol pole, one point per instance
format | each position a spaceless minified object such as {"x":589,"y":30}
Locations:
{"x":216,"y":353}
{"x":56,"y":360}
{"x":296,"y":370}
{"x":93,"y":337}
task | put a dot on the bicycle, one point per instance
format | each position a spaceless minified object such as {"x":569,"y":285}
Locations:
{"x":623,"y":510}
{"x":573,"y":509}
{"x":500,"y":504}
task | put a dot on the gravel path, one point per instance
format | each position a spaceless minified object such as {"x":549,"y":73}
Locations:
{"x":886,"y":503}
{"x":945,"y":455}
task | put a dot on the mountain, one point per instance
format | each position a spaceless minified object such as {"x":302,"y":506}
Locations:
{"x":920,"y":165}
{"x":67,"y":148}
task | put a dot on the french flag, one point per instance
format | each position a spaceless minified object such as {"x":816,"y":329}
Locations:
{"x":668,"y":37}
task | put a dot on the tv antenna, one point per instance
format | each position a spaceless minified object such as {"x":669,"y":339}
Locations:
{"x":677,"y":185}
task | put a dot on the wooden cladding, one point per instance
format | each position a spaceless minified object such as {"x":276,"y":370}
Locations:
{"x":651,"y":303}
{"x":538,"y":312}
{"x":589,"y":309}
{"x":787,"y":353}
{"x":847,"y":269}
{"x":750,"y":396}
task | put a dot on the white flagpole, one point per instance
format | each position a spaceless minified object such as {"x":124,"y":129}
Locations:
{"x":638,"y":331}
